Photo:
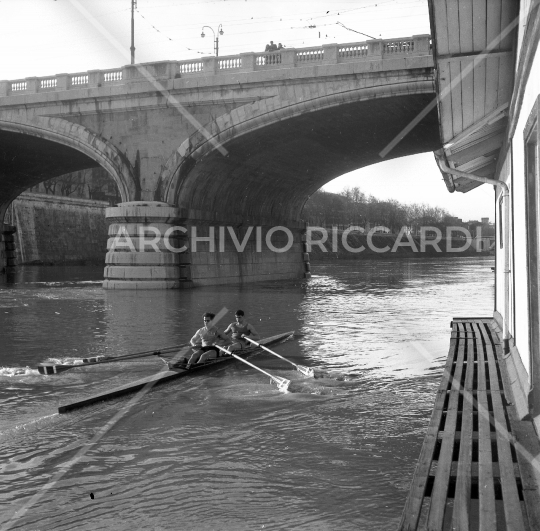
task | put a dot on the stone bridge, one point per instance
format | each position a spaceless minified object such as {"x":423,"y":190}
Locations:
{"x":218,"y":142}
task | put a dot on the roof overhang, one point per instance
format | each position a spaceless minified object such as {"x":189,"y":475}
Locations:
{"x":473,"y":47}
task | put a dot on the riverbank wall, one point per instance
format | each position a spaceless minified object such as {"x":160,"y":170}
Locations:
{"x":58,"y":230}
{"x":386,"y":246}
{"x":63,"y":230}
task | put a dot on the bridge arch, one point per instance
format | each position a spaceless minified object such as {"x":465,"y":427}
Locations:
{"x":192,"y":168}
{"x":85,"y":148}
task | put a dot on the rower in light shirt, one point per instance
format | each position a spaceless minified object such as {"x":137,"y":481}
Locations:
{"x":238,"y":330}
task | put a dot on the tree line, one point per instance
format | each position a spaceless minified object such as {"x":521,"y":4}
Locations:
{"x":353,"y":207}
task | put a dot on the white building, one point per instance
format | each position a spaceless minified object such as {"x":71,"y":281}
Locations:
{"x":488,"y":75}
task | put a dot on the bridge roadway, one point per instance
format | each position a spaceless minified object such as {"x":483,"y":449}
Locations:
{"x":231,"y":141}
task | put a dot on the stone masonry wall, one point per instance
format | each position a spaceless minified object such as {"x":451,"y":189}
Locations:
{"x":53,"y":229}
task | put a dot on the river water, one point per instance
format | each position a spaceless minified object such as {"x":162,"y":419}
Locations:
{"x":226,"y":450}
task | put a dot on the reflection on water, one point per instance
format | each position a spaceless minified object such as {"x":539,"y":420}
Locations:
{"x":227,"y":450}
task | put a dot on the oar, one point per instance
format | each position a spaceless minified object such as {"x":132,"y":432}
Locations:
{"x":307,"y":371}
{"x":282,"y":383}
{"x":53,"y":368}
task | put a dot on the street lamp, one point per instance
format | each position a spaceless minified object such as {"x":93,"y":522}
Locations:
{"x":216,"y":37}
{"x":133,"y":7}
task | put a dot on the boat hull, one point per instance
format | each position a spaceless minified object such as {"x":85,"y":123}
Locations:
{"x":169,"y":374}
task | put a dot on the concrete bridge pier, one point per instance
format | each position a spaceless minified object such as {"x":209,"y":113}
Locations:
{"x":7,"y":246}
{"x":152,"y":245}
{"x":239,"y":253}
{"x":144,"y":249}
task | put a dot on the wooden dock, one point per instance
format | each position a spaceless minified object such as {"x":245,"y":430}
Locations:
{"x":475,"y":469}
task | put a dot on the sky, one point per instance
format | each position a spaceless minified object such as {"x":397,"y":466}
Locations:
{"x":47,"y":37}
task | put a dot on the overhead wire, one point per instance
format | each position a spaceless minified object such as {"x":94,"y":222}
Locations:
{"x":240,"y":22}
{"x":261,"y":20}
{"x":166,"y":36}
{"x":273,"y":17}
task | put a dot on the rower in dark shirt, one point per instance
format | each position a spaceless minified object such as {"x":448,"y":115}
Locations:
{"x":238,"y":330}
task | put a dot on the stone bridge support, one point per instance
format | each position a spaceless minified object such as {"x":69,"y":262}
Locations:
{"x":144,"y":249}
{"x":7,"y":246}
{"x":152,"y":246}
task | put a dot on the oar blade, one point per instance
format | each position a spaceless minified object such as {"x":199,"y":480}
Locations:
{"x":53,"y":369}
{"x":95,"y":359}
{"x":306,"y":371}
{"x":281,"y":383}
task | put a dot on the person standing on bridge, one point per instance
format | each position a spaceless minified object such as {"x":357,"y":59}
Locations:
{"x":239,"y":330}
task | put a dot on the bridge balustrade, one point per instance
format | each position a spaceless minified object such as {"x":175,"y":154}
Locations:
{"x":48,"y":83}
{"x":229,"y":62}
{"x":114,"y":75}
{"x":376,"y":49}
{"x":305,"y":56}
{"x":18,"y":85}
{"x":395,"y":47}
{"x":358,"y":50}
{"x":265,"y":59}
{"x":79,"y":79}
{"x":191,"y":67}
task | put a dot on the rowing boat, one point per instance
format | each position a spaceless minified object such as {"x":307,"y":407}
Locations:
{"x":50,"y":367}
{"x":172,"y":373}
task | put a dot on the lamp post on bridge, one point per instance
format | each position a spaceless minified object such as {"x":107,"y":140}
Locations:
{"x":216,"y":37}
{"x":133,"y":7}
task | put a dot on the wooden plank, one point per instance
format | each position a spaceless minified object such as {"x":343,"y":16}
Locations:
{"x":440,"y":29}
{"x":475,"y":468}
{"x":475,"y":435}
{"x":452,"y":23}
{"x":506,"y":79}
{"x":445,"y":101}
{"x":492,"y":373}
{"x":493,"y":24}
{"x":492,"y":84}
{"x":466,"y":26}
{"x":528,"y":456}
{"x":479,"y":97}
{"x":462,"y":496}
{"x":528,"y":450}
{"x":413,"y":507}
{"x":467,"y":92}
{"x":479,"y":149}
{"x":457,"y":117}
{"x":456,"y":335}
{"x":163,"y":377}
{"x":478,"y":57}
{"x":440,"y":487}
{"x":486,"y":490}
{"x":449,"y":365}
{"x":512,"y":505}
{"x":467,"y":319}
{"x":479,"y":26}
{"x":508,"y":15}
